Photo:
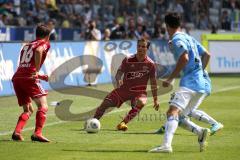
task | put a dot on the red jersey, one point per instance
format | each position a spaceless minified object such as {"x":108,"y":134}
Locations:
{"x":137,"y":74}
{"x":27,"y":58}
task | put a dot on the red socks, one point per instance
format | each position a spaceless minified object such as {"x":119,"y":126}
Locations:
{"x":40,"y":120}
{"x":22,"y":120}
{"x":132,"y":113}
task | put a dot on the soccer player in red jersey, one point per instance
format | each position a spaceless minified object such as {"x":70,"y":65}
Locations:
{"x":137,"y":70}
{"x":26,"y":83}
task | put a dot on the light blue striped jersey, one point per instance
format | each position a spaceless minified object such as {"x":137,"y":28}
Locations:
{"x":193,"y":76}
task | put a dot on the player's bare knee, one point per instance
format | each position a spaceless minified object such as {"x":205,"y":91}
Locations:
{"x":173,"y":111}
{"x":26,"y":108}
{"x":41,"y":102}
{"x":140,"y":102}
{"x":43,"y":109}
{"x":31,"y":110}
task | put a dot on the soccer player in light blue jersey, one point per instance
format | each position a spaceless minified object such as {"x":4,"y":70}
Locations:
{"x":195,"y":84}
{"x":195,"y":112}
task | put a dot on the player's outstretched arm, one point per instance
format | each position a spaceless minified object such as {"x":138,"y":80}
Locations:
{"x":205,"y":59}
{"x":118,"y":78}
{"x":38,"y":57}
{"x":182,"y":61}
{"x":121,"y":70}
{"x":153,"y":82}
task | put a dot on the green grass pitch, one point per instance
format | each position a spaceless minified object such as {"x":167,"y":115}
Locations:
{"x":70,"y":142}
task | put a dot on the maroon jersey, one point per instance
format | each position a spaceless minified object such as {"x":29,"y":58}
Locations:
{"x":137,"y":74}
{"x":27,"y":58}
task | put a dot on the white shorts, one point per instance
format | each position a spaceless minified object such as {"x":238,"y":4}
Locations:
{"x":186,"y":100}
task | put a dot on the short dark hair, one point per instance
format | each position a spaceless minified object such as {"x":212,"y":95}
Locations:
{"x":42,"y":31}
{"x":173,"y":20}
{"x":145,"y":41}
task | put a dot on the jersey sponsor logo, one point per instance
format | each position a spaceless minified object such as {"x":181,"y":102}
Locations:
{"x":137,"y":74}
{"x":145,"y":68}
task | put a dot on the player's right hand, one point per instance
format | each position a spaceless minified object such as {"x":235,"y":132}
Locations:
{"x":35,"y":75}
{"x":38,"y":76}
{"x":43,"y":77}
{"x":119,"y":83}
{"x":156,"y":105}
{"x":167,"y":82}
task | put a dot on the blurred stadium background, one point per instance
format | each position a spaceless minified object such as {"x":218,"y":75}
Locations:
{"x":116,"y":24}
{"x":116,"y":19}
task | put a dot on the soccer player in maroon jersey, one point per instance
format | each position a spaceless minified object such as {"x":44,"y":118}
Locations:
{"x":26,"y":83}
{"x":137,"y":70}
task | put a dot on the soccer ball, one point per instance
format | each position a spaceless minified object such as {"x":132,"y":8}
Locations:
{"x":92,"y":125}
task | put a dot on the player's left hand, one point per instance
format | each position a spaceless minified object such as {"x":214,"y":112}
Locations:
{"x":167,"y":82}
{"x":119,"y":83}
{"x":156,"y":105}
{"x":43,"y":77}
{"x":38,"y":76}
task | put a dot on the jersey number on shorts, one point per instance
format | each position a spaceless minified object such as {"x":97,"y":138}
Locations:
{"x":27,"y":54}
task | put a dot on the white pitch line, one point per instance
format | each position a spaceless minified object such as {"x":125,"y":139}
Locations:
{"x":227,"y":89}
{"x":116,"y":111}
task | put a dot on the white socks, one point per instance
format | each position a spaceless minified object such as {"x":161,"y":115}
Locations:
{"x":172,"y":124}
{"x":185,"y":123}
{"x":170,"y":128}
{"x":202,"y":116}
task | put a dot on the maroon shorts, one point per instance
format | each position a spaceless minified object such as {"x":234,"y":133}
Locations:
{"x":119,"y":96}
{"x":27,"y":89}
